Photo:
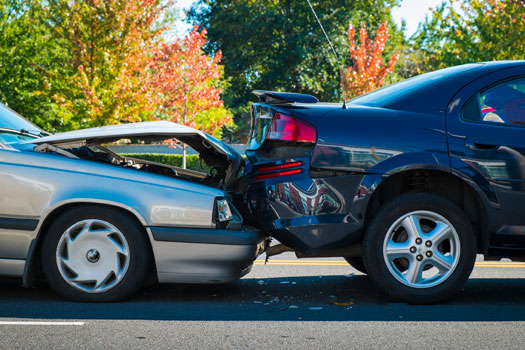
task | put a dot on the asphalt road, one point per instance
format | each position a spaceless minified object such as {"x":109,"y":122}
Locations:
{"x":288,"y":304}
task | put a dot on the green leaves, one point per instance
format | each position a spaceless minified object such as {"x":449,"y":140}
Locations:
{"x":73,"y":64}
{"x":472,"y":31}
{"x":278,"y":45}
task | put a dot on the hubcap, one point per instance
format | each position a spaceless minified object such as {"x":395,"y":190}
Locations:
{"x":92,"y":256}
{"x":421,"y":265}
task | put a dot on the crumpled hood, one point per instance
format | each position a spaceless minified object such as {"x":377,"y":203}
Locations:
{"x":200,"y":141}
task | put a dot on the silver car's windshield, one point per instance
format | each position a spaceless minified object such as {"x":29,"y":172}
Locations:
{"x":13,"y":138}
{"x":9,"y":119}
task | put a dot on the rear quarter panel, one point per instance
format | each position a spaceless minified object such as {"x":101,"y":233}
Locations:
{"x":376,"y":140}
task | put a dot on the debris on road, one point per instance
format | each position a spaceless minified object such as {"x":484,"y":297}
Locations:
{"x":344,"y":304}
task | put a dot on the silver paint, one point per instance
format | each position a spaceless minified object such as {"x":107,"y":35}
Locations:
{"x":34,"y":185}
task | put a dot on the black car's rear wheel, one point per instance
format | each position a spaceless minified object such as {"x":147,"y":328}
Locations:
{"x":92,"y":253}
{"x":419,"y":248}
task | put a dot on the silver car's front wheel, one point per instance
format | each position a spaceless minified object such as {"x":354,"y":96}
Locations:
{"x":92,"y":256}
{"x":95,"y":253}
{"x":419,"y":247}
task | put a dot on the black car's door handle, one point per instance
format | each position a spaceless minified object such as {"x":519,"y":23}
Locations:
{"x":481,"y":144}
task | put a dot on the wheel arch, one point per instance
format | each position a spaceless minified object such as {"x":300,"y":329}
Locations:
{"x":439,"y":182}
{"x":33,"y":268}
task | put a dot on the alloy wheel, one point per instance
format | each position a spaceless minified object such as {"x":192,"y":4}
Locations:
{"x":421,"y":249}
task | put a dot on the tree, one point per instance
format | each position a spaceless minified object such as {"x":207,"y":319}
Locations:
{"x":481,"y":30}
{"x":31,"y":65}
{"x":189,"y":85}
{"x":109,"y":44}
{"x":367,"y":71}
{"x":71,"y":64}
{"x":278,"y":45}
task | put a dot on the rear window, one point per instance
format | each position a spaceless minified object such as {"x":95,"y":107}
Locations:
{"x":390,"y":93}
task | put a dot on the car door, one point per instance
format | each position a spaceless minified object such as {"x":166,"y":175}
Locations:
{"x":486,"y":135}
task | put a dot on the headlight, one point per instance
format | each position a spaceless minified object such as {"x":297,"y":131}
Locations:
{"x":224,"y":212}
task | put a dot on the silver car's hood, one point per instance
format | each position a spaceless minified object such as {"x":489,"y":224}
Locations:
{"x":120,"y":130}
{"x":194,"y":138}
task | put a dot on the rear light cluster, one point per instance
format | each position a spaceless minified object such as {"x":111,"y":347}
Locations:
{"x":268,"y":172}
{"x":288,"y":128}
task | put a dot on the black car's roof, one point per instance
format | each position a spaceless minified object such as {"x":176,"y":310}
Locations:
{"x":431,"y":91}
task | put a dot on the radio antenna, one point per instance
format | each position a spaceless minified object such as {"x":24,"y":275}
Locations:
{"x":335,"y":54}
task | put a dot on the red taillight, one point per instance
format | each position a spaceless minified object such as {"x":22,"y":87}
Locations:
{"x":265,"y":169}
{"x":288,"y":128}
{"x":281,"y":167}
{"x":277,"y":174}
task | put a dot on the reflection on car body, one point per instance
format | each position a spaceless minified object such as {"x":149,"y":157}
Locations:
{"x":422,"y":175}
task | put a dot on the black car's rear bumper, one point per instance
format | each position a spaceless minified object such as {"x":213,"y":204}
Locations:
{"x":309,"y":214}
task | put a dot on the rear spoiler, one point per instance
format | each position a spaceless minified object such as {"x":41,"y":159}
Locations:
{"x":283,"y":98}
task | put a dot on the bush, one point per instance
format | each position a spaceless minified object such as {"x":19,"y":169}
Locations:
{"x":193,"y":161}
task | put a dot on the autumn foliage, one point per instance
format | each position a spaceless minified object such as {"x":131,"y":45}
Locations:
{"x":118,"y":67}
{"x":367,"y":71}
{"x":187,"y":82}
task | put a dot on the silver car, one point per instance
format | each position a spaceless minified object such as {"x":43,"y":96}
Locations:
{"x":97,"y":224}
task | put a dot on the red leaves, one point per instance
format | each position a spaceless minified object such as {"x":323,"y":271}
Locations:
{"x":367,"y":72}
{"x":187,"y":83}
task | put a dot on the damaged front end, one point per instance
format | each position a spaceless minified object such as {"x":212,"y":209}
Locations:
{"x":220,"y":168}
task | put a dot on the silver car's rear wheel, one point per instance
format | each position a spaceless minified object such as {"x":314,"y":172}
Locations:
{"x":92,"y":256}
{"x":96,"y":253}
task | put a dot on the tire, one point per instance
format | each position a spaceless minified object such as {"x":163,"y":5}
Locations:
{"x":357,"y":263}
{"x":419,"y":248}
{"x":95,"y":254}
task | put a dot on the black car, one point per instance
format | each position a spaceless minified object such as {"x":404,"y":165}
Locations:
{"x":407,"y":183}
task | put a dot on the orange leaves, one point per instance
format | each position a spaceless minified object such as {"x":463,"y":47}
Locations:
{"x":187,"y":83}
{"x":367,"y":71}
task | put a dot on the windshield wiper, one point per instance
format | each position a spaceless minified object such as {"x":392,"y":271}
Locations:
{"x":39,"y":134}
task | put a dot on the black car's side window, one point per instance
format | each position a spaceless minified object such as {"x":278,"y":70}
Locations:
{"x":502,"y":103}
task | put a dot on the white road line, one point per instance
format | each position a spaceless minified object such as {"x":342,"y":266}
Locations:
{"x":39,"y":323}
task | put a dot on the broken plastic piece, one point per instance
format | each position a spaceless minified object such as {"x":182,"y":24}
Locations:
{"x":315,"y":308}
